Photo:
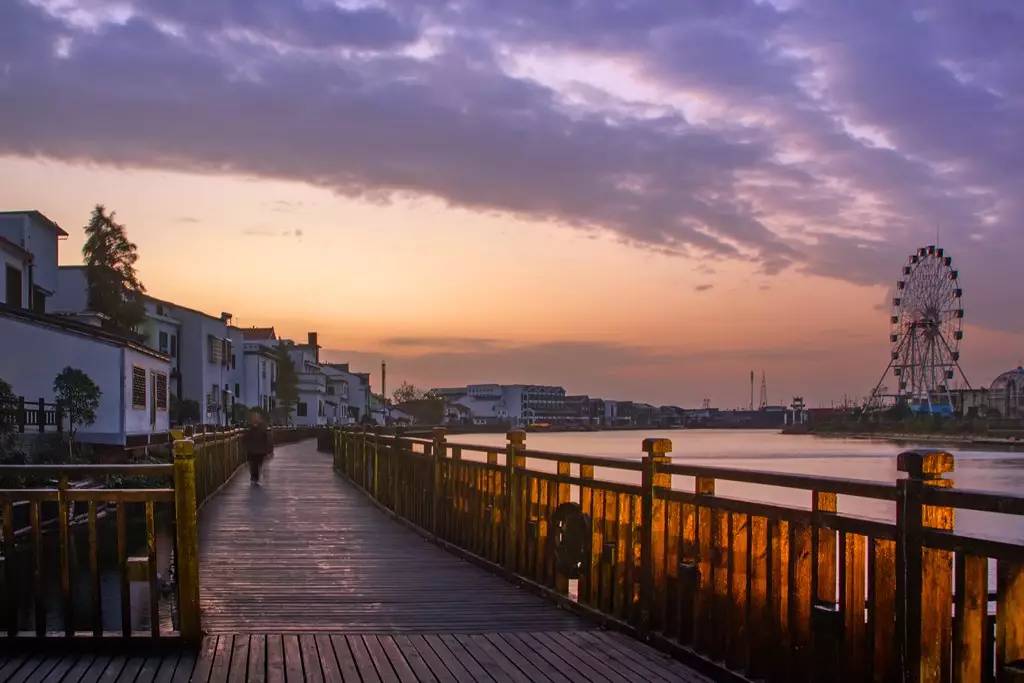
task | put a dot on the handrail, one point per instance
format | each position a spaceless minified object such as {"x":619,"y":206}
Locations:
{"x":773,"y":591}
{"x":201,"y":466}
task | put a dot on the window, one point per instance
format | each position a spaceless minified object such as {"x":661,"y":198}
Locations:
{"x":216,"y":352}
{"x":174,"y":346}
{"x":263,"y":369}
{"x":234,"y":359}
{"x":300,"y":409}
{"x":38,"y":301}
{"x":138,"y":387}
{"x":13,"y":278}
{"x":163,"y":342}
{"x":161,"y":390}
{"x":238,"y":392}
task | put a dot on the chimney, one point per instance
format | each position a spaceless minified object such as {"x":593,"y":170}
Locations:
{"x":311,"y":340}
{"x":226,"y":318}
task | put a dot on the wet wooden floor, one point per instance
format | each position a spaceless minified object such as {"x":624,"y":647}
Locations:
{"x":307,"y":551}
{"x":304,"y":579}
{"x":558,"y":657}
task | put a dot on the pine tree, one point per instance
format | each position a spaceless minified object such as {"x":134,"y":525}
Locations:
{"x":287,"y":382}
{"x":114,"y":288}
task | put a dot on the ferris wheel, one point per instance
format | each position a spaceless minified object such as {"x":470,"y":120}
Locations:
{"x":926,"y":330}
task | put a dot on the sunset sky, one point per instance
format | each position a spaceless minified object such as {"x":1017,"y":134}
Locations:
{"x":640,"y":200}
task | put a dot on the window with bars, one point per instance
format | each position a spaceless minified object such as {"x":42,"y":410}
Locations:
{"x":161,"y":390}
{"x":138,"y":387}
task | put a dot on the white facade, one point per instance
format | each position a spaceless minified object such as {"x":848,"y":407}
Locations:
{"x":515,"y":404}
{"x":204,"y":353}
{"x":133,"y":379}
{"x":37,"y":235}
{"x":355,"y":405}
{"x":312,"y":406}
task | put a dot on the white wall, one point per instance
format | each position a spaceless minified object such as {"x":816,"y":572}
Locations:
{"x":40,"y":240}
{"x":138,"y":420}
{"x":72,"y":294}
{"x":43,"y":351}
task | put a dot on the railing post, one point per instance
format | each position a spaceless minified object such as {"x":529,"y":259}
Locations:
{"x":652,"y":542}
{"x":513,"y":461}
{"x":438,"y":449}
{"x":923,"y":575}
{"x":187,"y":532}
{"x":41,"y":416}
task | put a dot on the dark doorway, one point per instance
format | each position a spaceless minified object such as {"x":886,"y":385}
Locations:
{"x":13,"y":278}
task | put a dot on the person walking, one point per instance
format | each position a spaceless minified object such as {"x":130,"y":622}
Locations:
{"x":258,"y":443}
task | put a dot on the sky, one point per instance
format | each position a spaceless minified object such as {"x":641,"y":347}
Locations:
{"x":637,"y":200}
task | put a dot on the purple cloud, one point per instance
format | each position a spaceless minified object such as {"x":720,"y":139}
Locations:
{"x":829,"y":137}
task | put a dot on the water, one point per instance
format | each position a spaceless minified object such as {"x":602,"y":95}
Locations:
{"x":765,"y":450}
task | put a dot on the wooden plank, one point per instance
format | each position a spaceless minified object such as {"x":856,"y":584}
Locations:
{"x":344,"y":657}
{"x":256,"y":665}
{"x":328,"y":660}
{"x":761,"y":641}
{"x":882,"y":608}
{"x":525,"y":663}
{"x":361,"y":657}
{"x":971,"y":606}
{"x":122,"y":563}
{"x":413,"y":658}
{"x":293,"y":670}
{"x":222,"y":658}
{"x":308,"y":652}
{"x":853,"y":548}
{"x":204,"y":662}
{"x":587,"y":577}
{"x":182,"y":672}
{"x":239,"y":671}
{"x":275,"y":659}
{"x":38,"y":596}
{"x":488,"y":657}
{"x":464,"y":658}
{"x":94,"y":572}
{"x":452,"y":664}
{"x":669,"y":607}
{"x":801,"y":568}
{"x":737,"y":657}
{"x":132,"y":667}
{"x":544,"y":657}
{"x":1009,"y":621}
{"x":397,"y":658}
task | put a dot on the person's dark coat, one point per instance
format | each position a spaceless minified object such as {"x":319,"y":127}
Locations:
{"x":258,"y":440}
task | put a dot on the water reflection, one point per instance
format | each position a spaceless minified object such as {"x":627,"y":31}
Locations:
{"x":874,"y":460}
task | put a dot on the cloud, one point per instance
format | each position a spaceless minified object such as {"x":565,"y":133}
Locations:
{"x":703,"y":287}
{"x":829,"y":137}
{"x":186,"y":219}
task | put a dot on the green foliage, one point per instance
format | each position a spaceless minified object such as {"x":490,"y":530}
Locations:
{"x":287,"y":381}
{"x":80,"y":398}
{"x":239,"y":413}
{"x":408,"y":392}
{"x":114,"y":288}
{"x":184,"y":411}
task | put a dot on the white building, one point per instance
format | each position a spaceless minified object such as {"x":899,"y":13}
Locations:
{"x":311,"y":409}
{"x":133,"y":379}
{"x":354,"y":407}
{"x":259,"y":368}
{"x":28,"y":254}
{"x":515,"y":404}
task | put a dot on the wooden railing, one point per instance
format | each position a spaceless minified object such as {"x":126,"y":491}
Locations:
{"x":768,"y":591}
{"x":37,"y":416}
{"x":56,"y":526}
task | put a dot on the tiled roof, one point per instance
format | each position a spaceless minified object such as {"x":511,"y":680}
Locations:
{"x":259,"y":333}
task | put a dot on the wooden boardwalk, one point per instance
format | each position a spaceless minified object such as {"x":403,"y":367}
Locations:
{"x":305,"y":579}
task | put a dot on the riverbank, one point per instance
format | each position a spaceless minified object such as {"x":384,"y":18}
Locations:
{"x":961,"y":440}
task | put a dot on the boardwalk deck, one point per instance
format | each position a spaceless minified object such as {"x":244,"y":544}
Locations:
{"x":304,"y":579}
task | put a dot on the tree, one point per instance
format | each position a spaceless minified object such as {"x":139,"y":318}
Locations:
{"x":7,"y":403}
{"x":407,"y":392}
{"x":114,"y":288}
{"x":287,"y":381}
{"x":80,"y":398}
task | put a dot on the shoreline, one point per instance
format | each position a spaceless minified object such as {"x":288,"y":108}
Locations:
{"x":974,"y":440}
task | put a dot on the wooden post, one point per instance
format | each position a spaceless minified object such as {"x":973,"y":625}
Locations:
{"x":513,"y":461}
{"x":437,"y":489}
{"x":41,"y":416}
{"x":652,"y":548}
{"x":187,"y":549}
{"x":923,"y":575}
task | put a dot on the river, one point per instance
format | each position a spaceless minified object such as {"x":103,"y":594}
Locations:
{"x":875,"y":460}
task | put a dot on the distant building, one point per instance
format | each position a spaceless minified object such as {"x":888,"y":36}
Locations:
{"x":1006,"y":394}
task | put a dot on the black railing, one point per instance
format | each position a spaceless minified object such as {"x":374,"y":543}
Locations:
{"x":37,"y":416}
